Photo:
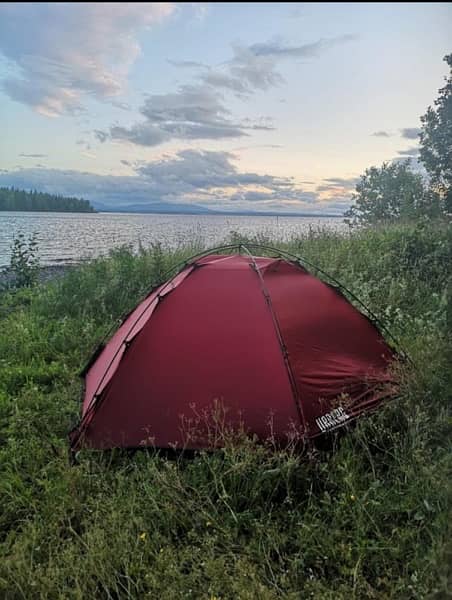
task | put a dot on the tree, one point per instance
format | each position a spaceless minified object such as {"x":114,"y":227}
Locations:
{"x":12,"y":199}
{"x":436,"y":141}
{"x":390,"y":192}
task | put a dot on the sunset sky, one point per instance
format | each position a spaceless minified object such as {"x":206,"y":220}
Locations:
{"x":276,"y":106}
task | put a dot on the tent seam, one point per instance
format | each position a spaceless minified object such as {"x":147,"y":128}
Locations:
{"x":94,"y":404}
{"x":295,"y":392}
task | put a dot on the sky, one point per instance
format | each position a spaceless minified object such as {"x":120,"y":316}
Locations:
{"x":242,"y":106}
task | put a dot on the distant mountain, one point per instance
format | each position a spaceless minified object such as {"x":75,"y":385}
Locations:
{"x":194,"y":209}
{"x":154,"y":207}
{"x":261,"y":213}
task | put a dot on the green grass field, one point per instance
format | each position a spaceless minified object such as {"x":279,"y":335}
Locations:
{"x":370,"y":519}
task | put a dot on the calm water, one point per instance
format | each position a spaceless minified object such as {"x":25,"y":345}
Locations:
{"x":66,"y":237}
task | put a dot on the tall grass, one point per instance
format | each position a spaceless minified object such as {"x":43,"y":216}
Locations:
{"x":369,"y":519}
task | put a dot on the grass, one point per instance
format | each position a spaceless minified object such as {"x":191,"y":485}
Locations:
{"x":369,"y":519}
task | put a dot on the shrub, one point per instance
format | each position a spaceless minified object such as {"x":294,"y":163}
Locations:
{"x":23,"y":269}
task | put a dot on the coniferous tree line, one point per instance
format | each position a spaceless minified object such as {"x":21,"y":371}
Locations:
{"x":21,"y":200}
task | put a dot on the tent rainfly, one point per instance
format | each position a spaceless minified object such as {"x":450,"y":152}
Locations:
{"x":278,"y":350}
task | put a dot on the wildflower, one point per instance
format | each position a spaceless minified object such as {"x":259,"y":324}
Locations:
{"x":352,"y":498}
{"x":143,"y":536}
{"x":209,"y":523}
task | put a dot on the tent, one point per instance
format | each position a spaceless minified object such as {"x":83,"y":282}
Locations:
{"x":260,"y":341}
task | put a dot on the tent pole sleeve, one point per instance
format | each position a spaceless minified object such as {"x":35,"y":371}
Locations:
{"x":293,"y":383}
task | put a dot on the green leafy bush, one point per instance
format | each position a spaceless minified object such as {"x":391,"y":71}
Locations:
{"x":23,"y":269}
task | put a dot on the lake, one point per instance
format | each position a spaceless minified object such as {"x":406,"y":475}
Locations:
{"x":71,"y":237}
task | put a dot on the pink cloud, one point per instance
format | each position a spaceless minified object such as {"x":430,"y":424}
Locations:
{"x":64,"y":51}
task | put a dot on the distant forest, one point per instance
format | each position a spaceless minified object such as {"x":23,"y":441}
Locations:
{"x":12,"y":199}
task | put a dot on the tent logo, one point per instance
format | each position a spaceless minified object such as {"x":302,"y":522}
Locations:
{"x":332,"y":419}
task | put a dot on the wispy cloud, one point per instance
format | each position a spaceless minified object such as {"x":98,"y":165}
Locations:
{"x":33,"y":155}
{"x":278,"y":49}
{"x":413,"y":151}
{"x":67,"y":50}
{"x":187,"y":64}
{"x":382,"y":133}
{"x":410,"y":133}
{"x":254,"y":146}
{"x":198,"y":111}
{"x":337,"y":189}
{"x":254,"y":67}
{"x":342,"y":181}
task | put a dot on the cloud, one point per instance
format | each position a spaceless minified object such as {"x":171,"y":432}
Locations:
{"x":33,"y":155}
{"x":204,"y":177}
{"x":64,"y":51}
{"x":86,"y":145}
{"x":142,"y":134}
{"x":121,"y":105}
{"x":194,"y":170}
{"x":273,"y":197}
{"x":254,"y":67}
{"x":338,"y":185}
{"x":252,"y":71}
{"x":312,"y":50}
{"x":225,"y":81}
{"x":254,"y":146}
{"x":349,"y":182}
{"x":410,"y":133}
{"x":187,"y":64}
{"x":198,"y":111}
{"x":194,"y":112}
{"x":382,"y":134}
{"x":190,"y":104}
{"x":413,"y":152}
{"x":102,"y":136}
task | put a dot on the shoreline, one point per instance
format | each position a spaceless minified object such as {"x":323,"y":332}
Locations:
{"x":46,"y":273}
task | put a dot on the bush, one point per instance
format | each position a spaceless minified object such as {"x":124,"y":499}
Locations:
{"x":23,"y":269}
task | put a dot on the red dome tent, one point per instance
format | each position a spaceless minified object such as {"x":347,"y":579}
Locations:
{"x":277,"y":348}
